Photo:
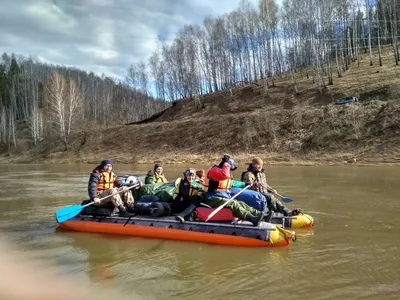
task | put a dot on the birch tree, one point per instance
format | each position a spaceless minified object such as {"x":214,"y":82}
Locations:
{"x":64,"y":105}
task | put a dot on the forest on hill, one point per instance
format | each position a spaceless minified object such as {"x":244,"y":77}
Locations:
{"x":39,"y":101}
{"x":261,"y":42}
{"x":263,"y":60}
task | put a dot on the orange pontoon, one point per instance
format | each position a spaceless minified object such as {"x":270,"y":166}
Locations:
{"x":240,"y":234}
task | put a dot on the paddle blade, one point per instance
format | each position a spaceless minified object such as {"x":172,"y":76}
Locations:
{"x":212,"y":214}
{"x":286,"y":199}
{"x":68,"y":212}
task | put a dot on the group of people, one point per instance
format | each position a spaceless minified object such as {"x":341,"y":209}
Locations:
{"x":195,"y":188}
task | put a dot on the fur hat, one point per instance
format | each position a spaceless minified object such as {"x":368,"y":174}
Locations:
{"x":257,"y":161}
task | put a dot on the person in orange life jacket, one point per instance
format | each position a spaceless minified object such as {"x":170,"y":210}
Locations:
{"x":156,"y":175}
{"x":217,"y":186}
{"x":255,"y":176}
{"x":187,"y":196}
{"x":102,"y":183}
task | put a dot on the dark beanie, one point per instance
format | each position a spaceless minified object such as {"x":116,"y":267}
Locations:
{"x":157,"y":165}
{"x":106,"y":162}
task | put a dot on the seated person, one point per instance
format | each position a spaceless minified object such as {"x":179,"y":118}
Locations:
{"x":200,"y":176}
{"x":255,"y":176}
{"x":103,"y":182}
{"x":187,"y":196}
{"x":218,"y":185}
{"x":156,"y":175}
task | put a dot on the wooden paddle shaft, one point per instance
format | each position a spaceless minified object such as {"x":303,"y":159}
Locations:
{"x":222,"y":206}
{"x":123,"y":190}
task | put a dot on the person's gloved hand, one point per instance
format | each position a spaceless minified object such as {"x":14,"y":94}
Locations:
{"x":226,"y":158}
{"x":232,"y":163}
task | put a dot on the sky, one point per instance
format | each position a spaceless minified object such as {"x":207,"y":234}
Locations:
{"x":103,"y":36}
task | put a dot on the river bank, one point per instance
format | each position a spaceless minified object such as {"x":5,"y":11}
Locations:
{"x":280,"y":126}
{"x":316,"y":159}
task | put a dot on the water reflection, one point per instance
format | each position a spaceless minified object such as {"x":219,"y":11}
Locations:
{"x":351,"y":253}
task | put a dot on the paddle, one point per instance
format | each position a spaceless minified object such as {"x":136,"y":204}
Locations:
{"x":284,"y":199}
{"x":71,"y":211}
{"x":222,"y":206}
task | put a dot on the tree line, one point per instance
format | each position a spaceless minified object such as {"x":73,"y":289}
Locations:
{"x":51,"y":101}
{"x":251,"y":43}
{"x":260,"y":42}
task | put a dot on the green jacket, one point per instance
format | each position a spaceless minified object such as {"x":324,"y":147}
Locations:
{"x":164,"y":191}
{"x":238,"y":184}
{"x":153,"y":177}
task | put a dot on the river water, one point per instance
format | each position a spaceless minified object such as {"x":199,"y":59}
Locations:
{"x":351,"y":253}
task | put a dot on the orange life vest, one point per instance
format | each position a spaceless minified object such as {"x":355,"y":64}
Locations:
{"x":218,"y":186}
{"x":106,"y":181}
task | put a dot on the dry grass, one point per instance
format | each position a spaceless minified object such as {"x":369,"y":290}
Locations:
{"x":284,"y":128}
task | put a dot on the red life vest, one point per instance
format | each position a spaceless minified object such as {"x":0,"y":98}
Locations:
{"x":211,"y":185}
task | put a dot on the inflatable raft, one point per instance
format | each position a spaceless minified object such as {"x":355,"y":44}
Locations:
{"x":224,"y":233}
{"x":225,"y":214}
{"x":299,"y":221}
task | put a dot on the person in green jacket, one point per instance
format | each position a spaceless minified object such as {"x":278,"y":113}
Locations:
{"x":156,"y":175}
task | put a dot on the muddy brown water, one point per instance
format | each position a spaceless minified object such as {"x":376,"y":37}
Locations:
{"x":353,"y":252}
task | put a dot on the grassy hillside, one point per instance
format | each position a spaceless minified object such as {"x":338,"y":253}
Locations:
{"x":281,"y":127}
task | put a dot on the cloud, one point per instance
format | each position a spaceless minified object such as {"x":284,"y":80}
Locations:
{"x":103,"y":36}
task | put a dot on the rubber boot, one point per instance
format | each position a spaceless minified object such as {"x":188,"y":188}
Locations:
{"x":291,"y":212}
{"x":123,"y":213}
{"x":142,"y":209}
{"x":131,"y":207}
{"x":268,"y":216}
{"x":296,"y":211}
{"x":286,"y":211}
{"x":254,"y":219}
{"x":283,"y":209}
{"x":187,"y":211}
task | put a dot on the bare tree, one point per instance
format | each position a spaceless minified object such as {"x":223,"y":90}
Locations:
{"x":55,"y":97}
{"x":367,"y":11}
{"x":64,"y":105}
{"x":74,"y":103}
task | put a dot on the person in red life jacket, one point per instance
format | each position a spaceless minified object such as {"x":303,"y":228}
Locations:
{"x":188,"y":195}
{"x":103,"y":182}
{"x":217,"y":186}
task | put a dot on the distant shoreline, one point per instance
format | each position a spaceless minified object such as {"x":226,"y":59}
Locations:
{"x":178,"y":159}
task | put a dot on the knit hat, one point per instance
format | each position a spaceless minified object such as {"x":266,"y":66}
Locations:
{"x":106,"y":162}
{"x":157,"y":165}
{"x":257,"y":161}
{"x":189,"y":171}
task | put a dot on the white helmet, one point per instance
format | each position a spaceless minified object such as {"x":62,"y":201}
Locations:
{"x":131,"y":180}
